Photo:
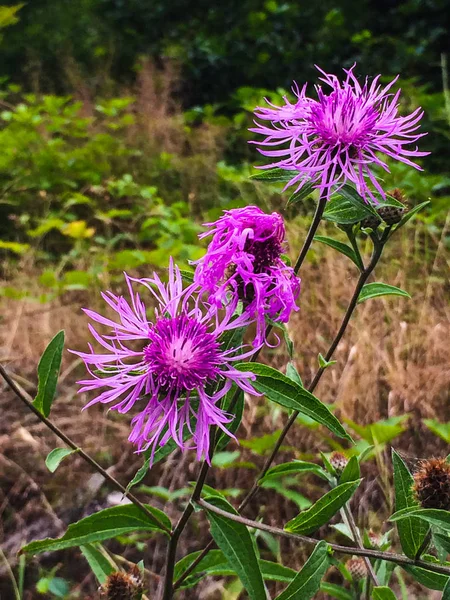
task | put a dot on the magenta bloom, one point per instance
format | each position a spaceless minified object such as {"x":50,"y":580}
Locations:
{"x":244,"y":260}
{"x":167,"y":370}
{"x":338,"y":137}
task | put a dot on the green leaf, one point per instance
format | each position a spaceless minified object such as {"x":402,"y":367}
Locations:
{"x":335,"y":591}
{"x":440,"y":429}
{"x":307,"y":582}
{"x":282,"y":390}
{"x":434,"y":516}
{"x":55,"y":457}
{"x":351,"y":471}
{"x":373,"y":290}
{"x":103,"y":525}
{"x":446,"y":593}
{"x":293,"y":374}
{"x":409,"y":215}
{"x":383,"y":593}
{"x":235,"y":542}
{"x":215,"y":563}
{"x":225,"y":459}
{"x":442,"y":542}
{"x":187,"y":275}
{"x":48,"y":371}
{"x":100,"y":565}
{"x":430,"y":579}
{"x":274,"y":175}
{"x":323,"y":363}
{"x":339,"y":246}
{"x":237,"y":412}
{"x":295,"y":467}
{"x":303,"y":193}
{"x":347,"y":207}
{"x":321,"y":511}
{"x":411,"y":531}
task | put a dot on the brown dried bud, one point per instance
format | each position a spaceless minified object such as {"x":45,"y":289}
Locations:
{"x":338,"y":461}
{"x":432,"y":484}
{"x":371,"y":222}
{"x":123,"y":586}
{"x":357,"y":568}
{"x":391,"y":214}
{"x":398,"y":195}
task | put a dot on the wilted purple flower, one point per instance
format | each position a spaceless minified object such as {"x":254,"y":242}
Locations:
{"x":172,"y":376}
{"x":338,"y":137}
{"x":244,"y":258}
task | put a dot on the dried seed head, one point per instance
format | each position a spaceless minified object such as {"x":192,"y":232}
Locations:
{"x":338,"y":461}
{"x":398,"y":195}
{"x":357,"y":568}
{"x":375,"y":539}
{"x":432,"y":484}
{"x":123,"y":586}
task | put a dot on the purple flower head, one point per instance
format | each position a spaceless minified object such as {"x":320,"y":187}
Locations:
{"x":244,"y":257}
{"x":167,"y":370}
{"x":338,"y":137}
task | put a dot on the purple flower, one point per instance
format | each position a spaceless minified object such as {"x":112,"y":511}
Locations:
{"x":168,"y":369}
{"x":244,"y":260}
{"x":338,"y":137}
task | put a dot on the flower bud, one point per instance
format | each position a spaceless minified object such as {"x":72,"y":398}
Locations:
{"x":357,"y":568}
{"x":391,"y":215}
{"x":371,"y":222}
{"x":375,"y":539}
{"x":338,"y":461}
{"x":123,"y":586}
{"x":432,"y":484}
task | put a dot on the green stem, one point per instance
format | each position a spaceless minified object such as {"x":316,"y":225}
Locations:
{"x":86,"y":457}
{"x":378,"y":247}
{"x":11,"y":575}
{"x":171,"y":552}
{"x":398,"y":559}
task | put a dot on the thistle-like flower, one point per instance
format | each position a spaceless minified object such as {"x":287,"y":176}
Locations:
{"x":172,"y":372}
{"x":123,"y":586}
{"x":432,"y":484}
{"x":244,"y":258}
{"x":339,"y":137}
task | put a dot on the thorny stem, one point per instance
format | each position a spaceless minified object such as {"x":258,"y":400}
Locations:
{"x":398,"y":559}
{"x":171,"y":553}
{"x":365,"y":274}
{"x":86,"y":457}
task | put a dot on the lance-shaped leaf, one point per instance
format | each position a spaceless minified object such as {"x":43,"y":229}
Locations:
{"x":303,"y":193}
{"x":236,"y":412}
{"x":383,"y":593}
{"x":340,"y":247}
{"x":446,"y":592}
{"x":282,"y":390}
{"x":235,"y":542}
{"x":409,"y":215}
{"x":274,"y":175}
{"x":434,"y":516}
{"x":376,"y":289}
{"x":215,"y":564}
{"x":103,"y":525}
{"x":321,"y":511}
{"x":55,"y":457}
{"x":48,"y":371}
{"x":295,"y":467}
{"x":307,"y":582}
{"x":335,"y":591}
{"x":411,"y":531}
{"x":351,"y":471}
{"x":99,"y":563}
{"x":430,"y":579}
